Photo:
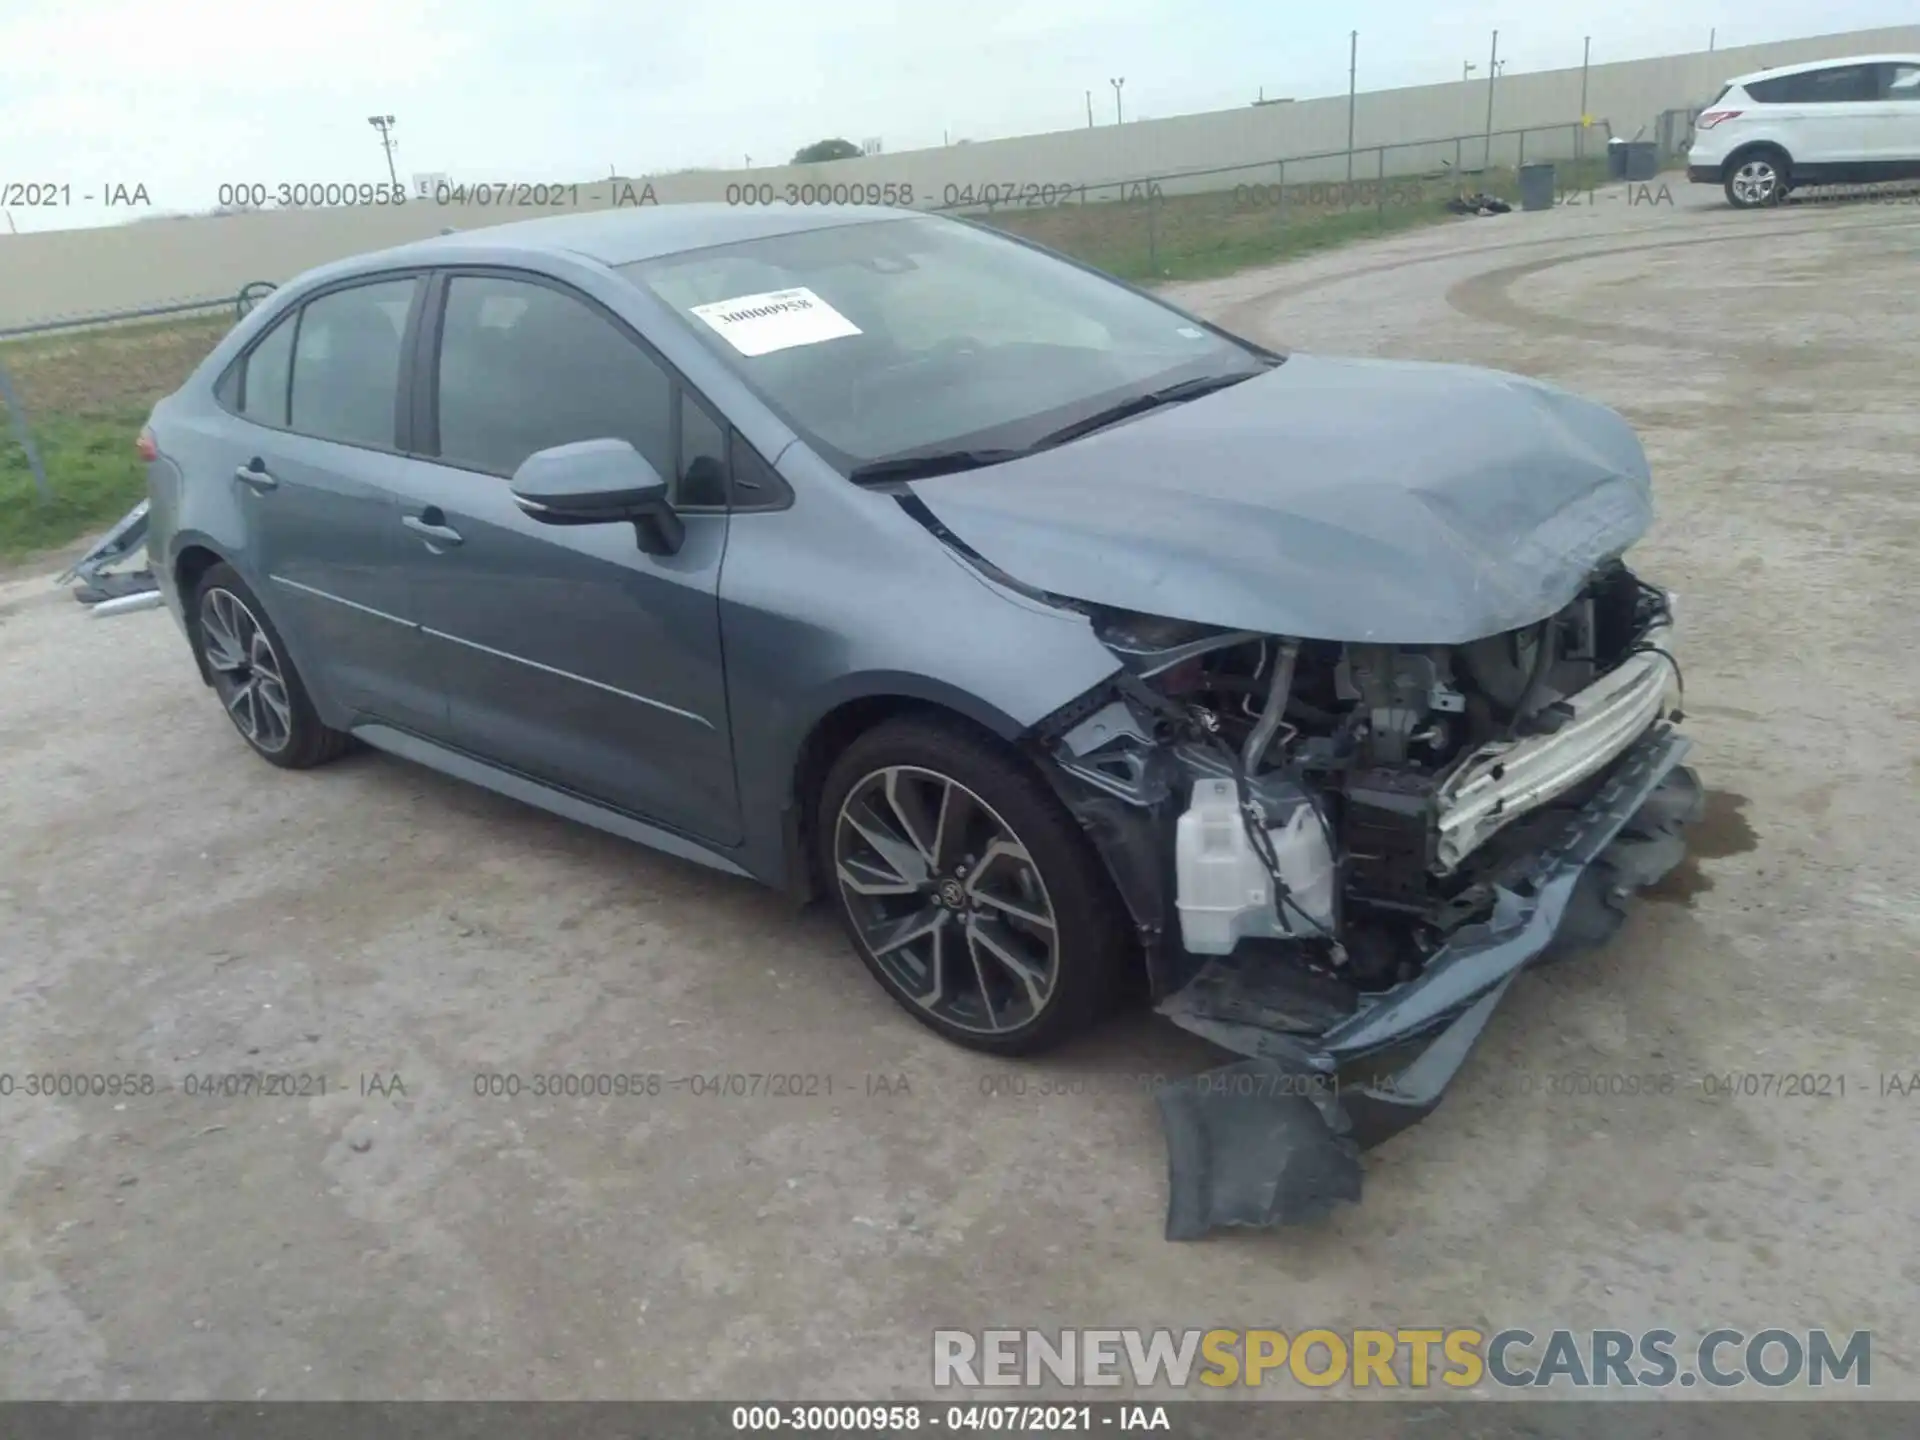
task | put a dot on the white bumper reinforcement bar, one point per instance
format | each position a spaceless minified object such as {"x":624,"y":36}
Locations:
{"x":1501,"y":781}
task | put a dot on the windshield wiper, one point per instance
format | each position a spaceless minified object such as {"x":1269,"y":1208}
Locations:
{"x":930,"y":462}
{"x":1139,"y":405}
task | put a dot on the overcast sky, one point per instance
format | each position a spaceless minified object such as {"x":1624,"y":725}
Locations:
{"x":181,"y":95}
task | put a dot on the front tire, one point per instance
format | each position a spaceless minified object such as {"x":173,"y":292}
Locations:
{"x":967,"y":889}
{"x":251,"y":672}
{"x":1757,"y":179}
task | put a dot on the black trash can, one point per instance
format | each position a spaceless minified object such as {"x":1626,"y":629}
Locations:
{"x":1643,"y":160}
{"x":1616,"y":159}
{"x":1536,"y":187}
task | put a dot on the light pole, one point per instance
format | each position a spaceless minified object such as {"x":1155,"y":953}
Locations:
{"x":1089,"y":109}
{"x":384,"y":124}
{"x":1493,"y":72}
{"x":1580,"y":135}
{"x":1467,"y":67}
{"x":1353,"y":70}
{"x":1118,"y":117}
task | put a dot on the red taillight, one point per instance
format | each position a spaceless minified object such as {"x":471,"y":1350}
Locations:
{"x":1710,"y":118}
{"x":146,"y":445}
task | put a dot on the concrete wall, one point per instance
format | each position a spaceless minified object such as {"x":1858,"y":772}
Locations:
{"x":50,"y":274}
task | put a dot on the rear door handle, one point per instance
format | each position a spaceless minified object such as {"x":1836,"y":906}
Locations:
{"x":431,"y":525}
{"x":255,"y":475}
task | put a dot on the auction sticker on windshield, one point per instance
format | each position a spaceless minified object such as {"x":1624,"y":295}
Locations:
{"x":775,"y":320}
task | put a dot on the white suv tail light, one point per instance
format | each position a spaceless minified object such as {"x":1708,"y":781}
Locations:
{"x":1710,"y":118}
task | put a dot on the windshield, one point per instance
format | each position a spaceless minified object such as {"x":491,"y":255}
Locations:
{"x":902,"y":337}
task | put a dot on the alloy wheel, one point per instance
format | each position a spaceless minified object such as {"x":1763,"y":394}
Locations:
{"x":1755,"y":181}
{"x":247,"y":674}
{"x":946,"y":899}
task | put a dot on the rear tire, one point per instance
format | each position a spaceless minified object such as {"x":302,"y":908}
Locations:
{"x":253,"y":675}
{"x":967,"y":889}
{"x":1756,"y":179}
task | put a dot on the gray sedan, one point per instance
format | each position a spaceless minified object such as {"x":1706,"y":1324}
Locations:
{"x":1073,"y":646}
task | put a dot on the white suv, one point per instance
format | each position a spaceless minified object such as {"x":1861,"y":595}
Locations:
{"x":1825,"y":122}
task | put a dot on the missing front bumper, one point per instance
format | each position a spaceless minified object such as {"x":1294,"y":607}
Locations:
{"x":1281,"y":1145}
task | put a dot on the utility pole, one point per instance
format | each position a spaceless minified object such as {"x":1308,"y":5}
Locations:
{"x":1089,"y":109}
{"x":1493,"y":73}
{"x":384,"y":124}
{"x":1353,"y":70}
{"x":1118,"y":118}
{"x":1712,"y":36}
{"x":1580,"y":136}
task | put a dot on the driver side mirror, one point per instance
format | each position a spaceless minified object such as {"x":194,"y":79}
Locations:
{"x":599,"y":482}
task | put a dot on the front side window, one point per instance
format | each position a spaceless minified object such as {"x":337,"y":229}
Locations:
{"x":524,"y":367}
{"x":702,"y":480}
{"x":346,"y":364}
{"x":893,"y":337}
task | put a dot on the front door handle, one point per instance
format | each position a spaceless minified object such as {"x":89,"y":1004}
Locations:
{"x":255,"y":475}
{"x":431,"y":525}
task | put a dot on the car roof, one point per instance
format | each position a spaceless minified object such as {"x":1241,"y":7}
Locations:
{"x":626,"y":233}
{"x":1803,"y":66}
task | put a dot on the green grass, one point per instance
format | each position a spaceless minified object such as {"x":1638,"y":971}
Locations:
{"x":88,"y":393}
{"x":92,"y":472}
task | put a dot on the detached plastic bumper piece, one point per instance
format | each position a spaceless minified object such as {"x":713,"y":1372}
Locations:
{"x":1252,"y":1144}
{"x":1275,"y":1139}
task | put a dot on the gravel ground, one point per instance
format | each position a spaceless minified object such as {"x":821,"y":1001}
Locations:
{"x":171,"y":907}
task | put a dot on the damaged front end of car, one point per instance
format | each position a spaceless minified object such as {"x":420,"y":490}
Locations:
{"x":1338,"y":855}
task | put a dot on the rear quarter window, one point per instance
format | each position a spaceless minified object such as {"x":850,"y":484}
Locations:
{"x":1836,"y":83}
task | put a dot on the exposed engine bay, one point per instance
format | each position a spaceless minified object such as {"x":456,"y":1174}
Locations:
{"x":1337,"y":854}
{"x":1354,"y":797}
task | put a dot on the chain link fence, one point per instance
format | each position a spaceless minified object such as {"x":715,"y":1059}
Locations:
{"x":1673,"y":133}
{"x":1193,"y":223}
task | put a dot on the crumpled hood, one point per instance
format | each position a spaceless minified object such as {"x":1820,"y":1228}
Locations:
{"x":1331,"y":499}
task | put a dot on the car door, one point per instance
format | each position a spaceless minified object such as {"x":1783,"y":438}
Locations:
{"x":315,"y":457}
{"x":1896,"y":120}
{"x":568,"y":653}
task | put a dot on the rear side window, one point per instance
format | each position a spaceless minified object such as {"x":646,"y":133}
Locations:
{"x":346,"y":364}
{"x":1903,"y":81}
{"x":524,"y":367}
{"x":263,"y":383}
{"x":1836,"y":84}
